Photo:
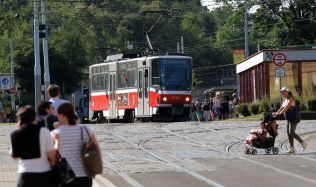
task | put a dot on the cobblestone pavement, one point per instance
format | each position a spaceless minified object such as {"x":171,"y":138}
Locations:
{"x":190,"y":154}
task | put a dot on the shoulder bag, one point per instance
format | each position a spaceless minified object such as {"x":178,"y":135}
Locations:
{"x":91,"y":155}
{"x":62,"y":172}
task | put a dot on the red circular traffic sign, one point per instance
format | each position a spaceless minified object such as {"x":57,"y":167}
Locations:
{"x":279,"y":59}
{"x":13,"y":91}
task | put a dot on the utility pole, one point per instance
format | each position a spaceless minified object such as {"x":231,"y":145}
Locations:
{"x":246,"y":31}
{"x":45,"y":50}
{"x":37,"y":65}
{"x":182,"y":45}
{"x":12,"y":76}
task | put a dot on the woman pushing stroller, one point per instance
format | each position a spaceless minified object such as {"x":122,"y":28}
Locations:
{"x":290,"y":109}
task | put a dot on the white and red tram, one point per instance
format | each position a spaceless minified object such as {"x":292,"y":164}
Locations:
{"x":142,"y":87}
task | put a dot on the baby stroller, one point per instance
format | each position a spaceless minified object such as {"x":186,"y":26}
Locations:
{"x":259,"y":140}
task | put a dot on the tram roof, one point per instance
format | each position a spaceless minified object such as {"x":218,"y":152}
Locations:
{"x":140,"y":58}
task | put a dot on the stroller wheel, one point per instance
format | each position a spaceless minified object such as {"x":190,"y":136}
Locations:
{"x":254,"y":152}
{"x":275,"y":150}
{"x":268,"y":150}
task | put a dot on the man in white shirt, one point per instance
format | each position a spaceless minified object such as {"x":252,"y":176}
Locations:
{"x":54,"y":94}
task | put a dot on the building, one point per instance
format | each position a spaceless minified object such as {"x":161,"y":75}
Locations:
{"x":214,"y":76}
{"x":264,"y":73}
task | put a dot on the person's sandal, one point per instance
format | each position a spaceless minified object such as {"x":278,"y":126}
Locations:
{"x":304,"y":145}
{"x":291,"y":150}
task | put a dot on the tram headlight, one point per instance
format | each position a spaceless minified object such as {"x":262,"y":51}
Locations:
{"x":187,"y":99}
{"x":164,"y":99}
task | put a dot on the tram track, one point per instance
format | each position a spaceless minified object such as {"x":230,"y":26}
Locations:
{"x":140,"y":146}
{"x":227,"y":152}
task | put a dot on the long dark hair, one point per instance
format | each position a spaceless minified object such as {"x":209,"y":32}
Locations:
{"x":42,"y":106}
{"x":68,"y":110}
{"x":26,"y":115}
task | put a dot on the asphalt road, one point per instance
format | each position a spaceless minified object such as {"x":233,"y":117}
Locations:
{"x":191,"y":154}
{"x":202,"y":154}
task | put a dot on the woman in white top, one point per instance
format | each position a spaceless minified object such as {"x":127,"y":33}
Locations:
{"x":33,"y":147}
{"x":68,"y":142}
{"x":291,"y":114}
{"x":217,"y":105}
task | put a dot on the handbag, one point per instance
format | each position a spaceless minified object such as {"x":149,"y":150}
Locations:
{"x":90,"y":155}
{"x":62,"y":172}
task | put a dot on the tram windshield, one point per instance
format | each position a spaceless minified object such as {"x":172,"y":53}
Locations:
{"x":172,"y":74}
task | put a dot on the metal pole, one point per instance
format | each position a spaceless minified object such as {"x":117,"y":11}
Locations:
{"x":12,"y":76}
{"x":246,"y":31}
{"x":37,"y":65}
{"x":178,"y":47}
{"x":45,"y":52}
{"x":182,"y":45}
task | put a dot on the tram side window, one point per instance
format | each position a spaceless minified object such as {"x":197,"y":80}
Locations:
{"x":127,"y":75}
{"x":100,"y":82}
{"x":155,"y":72}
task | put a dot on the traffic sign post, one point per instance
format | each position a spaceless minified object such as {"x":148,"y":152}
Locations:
{"x":279,"y":59}
{"x":5,"y":82}
{"x":279,"y":71}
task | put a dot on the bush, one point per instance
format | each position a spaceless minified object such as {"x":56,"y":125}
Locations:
{"x":264,"y":105}
{"x":254,"y":108}
{"x":275,"y":105}
{"x":311,"y":104}
{"x":242,"y":109}
{"x":301,"y":104}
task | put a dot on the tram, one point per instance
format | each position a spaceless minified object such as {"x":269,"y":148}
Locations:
{"x":129,"y":87}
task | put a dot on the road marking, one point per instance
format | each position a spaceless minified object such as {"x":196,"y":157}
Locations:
{"x":121,"y":173}
{"x":181,"y":168}
{"x":244,"y":158}
{"x":105,"y":181}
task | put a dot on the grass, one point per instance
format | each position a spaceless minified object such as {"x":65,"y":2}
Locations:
{"x":3,"y":124}
{"x":257,"y":117}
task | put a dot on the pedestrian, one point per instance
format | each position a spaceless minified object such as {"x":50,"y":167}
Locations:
{"x":206,"y":110}
{"x":217,"y":105}
{"x":225,"y":107}
{"x":290,"y":109}
{"x":34,"y":148}
{"x":68,"y":142}
{"x":192,"y":112}
{"x":8,"y":112}
{"x":45,"y":115}
{"x":198,"y":110}
{"x":236,"y":102}
{"x":54,"y":94}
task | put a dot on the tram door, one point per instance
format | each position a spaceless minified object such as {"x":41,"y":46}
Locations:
{"x":143,"y":92}
{"x":112,"y":95}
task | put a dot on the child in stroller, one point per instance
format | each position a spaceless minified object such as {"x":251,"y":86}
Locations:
{"x":258,"y":137}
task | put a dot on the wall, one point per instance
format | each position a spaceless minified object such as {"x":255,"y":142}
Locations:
{"x":299,"y":78}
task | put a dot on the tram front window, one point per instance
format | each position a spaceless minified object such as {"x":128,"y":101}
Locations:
{"x":173,"y":74}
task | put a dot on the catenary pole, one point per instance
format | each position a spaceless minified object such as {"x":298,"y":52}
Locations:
{"x":37,"y":65}
{"x":45,"y":50}
{"x":246,"y":31}
{"x":182,"y":45}
{"x":12,"y":76}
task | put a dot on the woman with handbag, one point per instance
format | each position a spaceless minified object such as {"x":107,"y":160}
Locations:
{"x":34,"y":148}
{"x":290,"y":109}
{"x":68,"y":142}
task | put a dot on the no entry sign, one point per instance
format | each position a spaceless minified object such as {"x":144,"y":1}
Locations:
{"x":279,"y":59}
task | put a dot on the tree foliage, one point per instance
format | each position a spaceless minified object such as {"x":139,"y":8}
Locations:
{"x":85,"y":32}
